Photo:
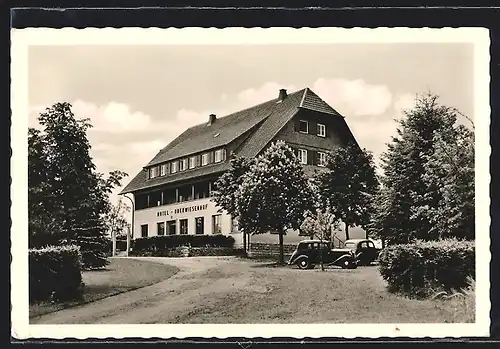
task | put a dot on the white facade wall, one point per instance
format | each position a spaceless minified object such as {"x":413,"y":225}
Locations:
{"x":185,"y":210}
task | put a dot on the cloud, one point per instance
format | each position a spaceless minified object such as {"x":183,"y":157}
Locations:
{"x":354,"y":97}
{"x":404,"y":102}
{"x":265,"y":92}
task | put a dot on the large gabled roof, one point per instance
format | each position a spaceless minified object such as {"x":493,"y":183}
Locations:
{"x":262,"y":121}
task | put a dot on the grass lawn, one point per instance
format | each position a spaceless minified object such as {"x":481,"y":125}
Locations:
{"x":272,"y":294}
{"x":237,"y":290}
{"x":120,"y":275}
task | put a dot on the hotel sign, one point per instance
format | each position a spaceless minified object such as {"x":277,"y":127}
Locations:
{"x":193,"y":208}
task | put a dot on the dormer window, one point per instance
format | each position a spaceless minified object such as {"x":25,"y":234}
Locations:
{"x":204,"y":159}
{"x":174,"y":166}
{"x":303,"y":126}
{"x":218,"y":155}
{"x":163,"y":170}
{"x":192,"y":162}
{"x":183,"y":164}
{"x":154,"y":172}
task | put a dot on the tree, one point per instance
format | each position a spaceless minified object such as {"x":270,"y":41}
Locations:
{"x":274,"y":194}
{"x":64,"y":181}
{"x":319,"y":224}
{"x":227,"y":187}
{"x":116,"y":222}
{"x":349,"y":185}
{"x":409,"y":196}
{"x":451,"y":169}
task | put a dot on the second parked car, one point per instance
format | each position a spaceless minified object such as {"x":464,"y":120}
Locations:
{"x":365,"y":250}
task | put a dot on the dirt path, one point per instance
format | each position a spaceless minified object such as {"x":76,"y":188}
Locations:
{"x":164,"y":300}
{"x":233,"y":290}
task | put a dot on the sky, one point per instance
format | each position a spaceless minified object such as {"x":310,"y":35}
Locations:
{"x":139,"y":98}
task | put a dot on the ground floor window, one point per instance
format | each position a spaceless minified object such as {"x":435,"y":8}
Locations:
{"x":144,"y":230}
{"x":200,"y":222}
{"x":216,"y":224}
{"x":183,"y":226}
{"x":171,"y":227}
{"x":160,"y":228}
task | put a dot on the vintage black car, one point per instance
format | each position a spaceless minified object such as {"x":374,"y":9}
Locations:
{"x":307,"y":255}
{"x":365,"y":250}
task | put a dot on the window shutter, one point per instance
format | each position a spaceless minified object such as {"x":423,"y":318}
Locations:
{"x":310,"y":157}
{"x":211,"y":157}
{"x":223,"y":154}
{"x":198,"y":160}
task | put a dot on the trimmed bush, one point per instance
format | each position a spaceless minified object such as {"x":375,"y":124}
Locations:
{"x":167,"y":242}
{"x":55,"y":273}
{"x":190,"y":252}
{"x":420,"y":269}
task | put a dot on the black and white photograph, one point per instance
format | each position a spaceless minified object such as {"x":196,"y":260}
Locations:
{"x":250,"y":182}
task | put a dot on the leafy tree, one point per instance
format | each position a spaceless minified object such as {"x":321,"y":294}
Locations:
{"x":409,"y":192}
{"x":349,"y":185}
{"x":64,"y":181}
{"x":319,"y":224}
{"x":274,"y":194}
{"x":227,"y":186}
{"x":116,"y":221}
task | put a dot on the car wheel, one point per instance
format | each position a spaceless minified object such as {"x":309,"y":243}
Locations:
{"x":346,"y":264}
{"x":303,"y":263}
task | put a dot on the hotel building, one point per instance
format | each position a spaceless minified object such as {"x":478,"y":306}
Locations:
{"x":172,"y":191}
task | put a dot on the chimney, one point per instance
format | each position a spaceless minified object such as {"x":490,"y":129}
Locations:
{"x":282,"y":95}
{"x":211,"y":119}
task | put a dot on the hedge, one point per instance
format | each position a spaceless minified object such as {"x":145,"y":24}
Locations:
{"x":55,"y":273}
{"x":167,"y":242}
{"x":190,"y":252}
{"x":422,"y":268}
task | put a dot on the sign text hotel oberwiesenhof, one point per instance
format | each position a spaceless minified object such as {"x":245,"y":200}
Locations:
{"x":182,"y":210}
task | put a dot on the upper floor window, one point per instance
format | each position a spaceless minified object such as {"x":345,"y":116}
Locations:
{"x":163,"y":170}
{"x":174,"y":166}
{"x":183,"y":164}
{"x":192,"y":162}
{"x":204,"y":159}
{"x":321,"y":130}
{"x":303,"y":156}
{"x":153,"y":172}
{"x":303,"y":126}
{"x":218,"y":155}
{"x":321,"y":159}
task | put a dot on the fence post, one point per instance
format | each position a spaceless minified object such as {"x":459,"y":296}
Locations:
{"x":113,"y":236}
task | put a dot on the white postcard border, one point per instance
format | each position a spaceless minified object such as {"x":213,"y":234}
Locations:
{"x":23,"y":38}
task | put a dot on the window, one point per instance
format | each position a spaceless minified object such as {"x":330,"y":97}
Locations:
{"x":183,"y":164}
{"x":163,"y":170}
{"x":174,"y":166}
{"x":204,"y":159}
{"x":321,"y":159}
{"x":185,"y":193}
{"x":200,"y":225}
{"x":144,"y":230}
{"x":303,"y":156}
{"x":171,"y":228}
{"x":303,"y":126}
{"x":216,"y":224}
{"x":183,"y":226}
{"x":192,"y":162}
{"x":160,"y":228}
{"x":321,"y":130}
{"x":218,"y":155}
{"x":153,"y":172}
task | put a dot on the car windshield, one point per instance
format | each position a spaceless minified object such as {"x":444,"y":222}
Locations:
{"x":350,"y":245}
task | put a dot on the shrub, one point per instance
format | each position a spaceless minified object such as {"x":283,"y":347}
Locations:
{"x":166,"y":242}
{"x":55,"y":273}
{"x":424,"y":267}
